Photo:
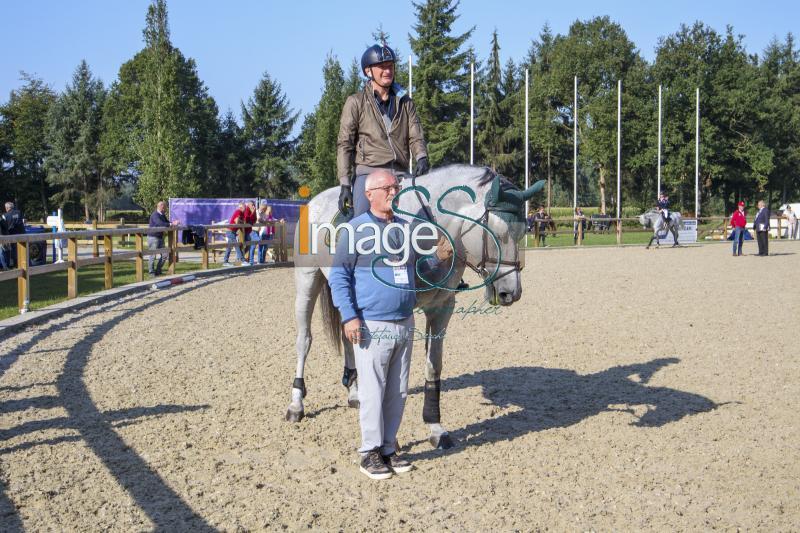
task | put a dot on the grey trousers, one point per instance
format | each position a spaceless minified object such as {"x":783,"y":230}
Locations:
{"x":383,"y":359}
{"x":154,"y":243}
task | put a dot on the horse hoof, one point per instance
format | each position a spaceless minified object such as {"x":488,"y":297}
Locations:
{"x":441,"y":442}
{"x":353,"y":404}
{"x":294,"y":416}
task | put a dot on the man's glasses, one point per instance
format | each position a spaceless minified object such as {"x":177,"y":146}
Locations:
{"x":388,"y":188}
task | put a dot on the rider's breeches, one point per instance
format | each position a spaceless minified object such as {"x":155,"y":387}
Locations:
{"x":360,"y":202}
{"x":383,"y":359}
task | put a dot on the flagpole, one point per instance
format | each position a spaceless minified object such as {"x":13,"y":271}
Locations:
{"x":527,"y":179}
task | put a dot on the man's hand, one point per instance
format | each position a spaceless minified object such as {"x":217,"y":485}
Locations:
{"x":444,"y":250}
{"x":352,"y":330}
{"x":345,"y":199}
{"x":422,"y":167}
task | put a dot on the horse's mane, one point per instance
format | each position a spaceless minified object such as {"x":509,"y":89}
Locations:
{"x":481,"y":175}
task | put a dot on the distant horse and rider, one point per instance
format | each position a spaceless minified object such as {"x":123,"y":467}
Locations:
{"x":663,"y":221}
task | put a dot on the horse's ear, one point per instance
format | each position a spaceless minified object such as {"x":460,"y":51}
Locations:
{"x":528,"y":193}
{"x":493,"y":195}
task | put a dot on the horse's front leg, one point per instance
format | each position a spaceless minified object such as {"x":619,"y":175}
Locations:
{"x":436,"y":329}
{"x":349,"y":377}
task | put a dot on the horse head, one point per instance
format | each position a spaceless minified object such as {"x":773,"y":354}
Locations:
{"x":496,"y":252}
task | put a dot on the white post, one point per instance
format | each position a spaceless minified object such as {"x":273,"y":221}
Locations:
{"x":527,"y":202}
{"x":471,"y":113}
{"x":658,"y":192}
{"x":697,"y":155}
{"x":410,"y":95}
{"x":575,"y":149}
{"x":619,"y":147}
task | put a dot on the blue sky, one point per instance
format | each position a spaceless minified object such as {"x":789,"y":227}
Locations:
{"x":234,"y":42}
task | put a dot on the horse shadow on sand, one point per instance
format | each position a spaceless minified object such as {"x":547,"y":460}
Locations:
{"x":165,"y":508}
{"x":550,"y":398}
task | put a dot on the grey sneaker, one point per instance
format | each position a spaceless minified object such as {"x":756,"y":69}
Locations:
{"x":372,"y":466}
{"x":397,"y":463}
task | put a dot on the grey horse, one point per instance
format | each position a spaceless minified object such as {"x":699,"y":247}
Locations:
{"x":461,"y":200}
{"x":653,"y":219}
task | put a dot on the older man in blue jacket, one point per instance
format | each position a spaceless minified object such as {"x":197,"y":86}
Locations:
{"x":376,"y":299}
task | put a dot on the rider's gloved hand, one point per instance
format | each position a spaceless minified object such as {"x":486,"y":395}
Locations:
{"x":422,"y":167}
{"x":345,"y":199}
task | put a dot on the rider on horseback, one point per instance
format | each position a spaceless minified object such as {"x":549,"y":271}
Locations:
{"x":663,"y":206}
{"x":378,"y":128}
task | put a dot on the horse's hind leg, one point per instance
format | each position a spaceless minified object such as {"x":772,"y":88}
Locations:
{"x":308,"y":283}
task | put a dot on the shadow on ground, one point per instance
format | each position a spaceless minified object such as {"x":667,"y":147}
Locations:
{"x":556,"y":398}
{"x":162,"y":505}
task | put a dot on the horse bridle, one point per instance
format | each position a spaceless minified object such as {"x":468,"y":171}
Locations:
{"x":480,"y":268}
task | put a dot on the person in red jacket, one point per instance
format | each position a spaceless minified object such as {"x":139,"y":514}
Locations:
{"x":238,"y":217}
{"x":738,"y":223}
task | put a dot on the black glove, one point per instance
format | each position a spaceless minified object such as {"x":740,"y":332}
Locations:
{"x":345,"y":199}
{"x":422,"y":167}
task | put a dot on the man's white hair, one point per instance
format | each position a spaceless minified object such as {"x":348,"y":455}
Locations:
{"x":373,"y":178}
{"x":9,"y":205}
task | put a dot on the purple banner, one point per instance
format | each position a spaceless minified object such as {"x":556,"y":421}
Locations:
{"x":190,"y":211}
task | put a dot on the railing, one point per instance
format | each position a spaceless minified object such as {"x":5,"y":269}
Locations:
{"x":24,"y":271}
{"x":718,"y":229}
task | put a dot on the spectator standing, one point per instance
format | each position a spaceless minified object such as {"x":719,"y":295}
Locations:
{"x":251,"y":217}
{"x":231,"y":236}
{"x":580,"y":222}
{"x":3,"y":263}
{"x":540,"y":221}
{"x":738,"y":223}
{"x":155,"y":241}
{"x":791,"y":219}
{"x":14,"y":224}
{"x":761,"y":225}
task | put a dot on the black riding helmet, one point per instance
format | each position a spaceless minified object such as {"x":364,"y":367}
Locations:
{"x":377,"y":54}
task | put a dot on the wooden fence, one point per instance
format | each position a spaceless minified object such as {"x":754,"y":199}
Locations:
{"x":714,"y":227}
{"x":24,"y":271}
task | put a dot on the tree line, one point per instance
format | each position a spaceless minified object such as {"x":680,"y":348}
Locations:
{"x":156,"y":132}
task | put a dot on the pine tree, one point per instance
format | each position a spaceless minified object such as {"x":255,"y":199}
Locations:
{"x":441,"y":81}
{"x":166,"y":161}
{"x":24,"y":124}
{"x":268,"y":123}
{"x":74,"y":162}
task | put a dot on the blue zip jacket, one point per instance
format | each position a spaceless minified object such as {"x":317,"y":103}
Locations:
{"x":356,"y":291}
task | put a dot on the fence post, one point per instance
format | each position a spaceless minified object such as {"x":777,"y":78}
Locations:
{"x":580,"y":232}
{"x":204,"y":253}
{"x":72,"y":268}
{"x":535,"y":234}
{"x":95,"y":244}
{"x":724,"y":229}
{"x":172,"y":241}
{"x":284,"y":245}
{"x":24,"y":281}
{"x":108,"y":248}
{"x":139,"y":257}
{"x":779,"y":228}
{"x":619,"y":231}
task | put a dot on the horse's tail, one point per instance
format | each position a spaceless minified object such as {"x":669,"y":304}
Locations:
{"x":331,"y":319}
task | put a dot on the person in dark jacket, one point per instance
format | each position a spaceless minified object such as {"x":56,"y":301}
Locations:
{"x":13,"y":224}
{"x":378,"y":129}
{"x":155,"y":241}
{"x":761,"y":227}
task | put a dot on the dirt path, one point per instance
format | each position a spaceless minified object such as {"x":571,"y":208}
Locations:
{"x":606,"y":398}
